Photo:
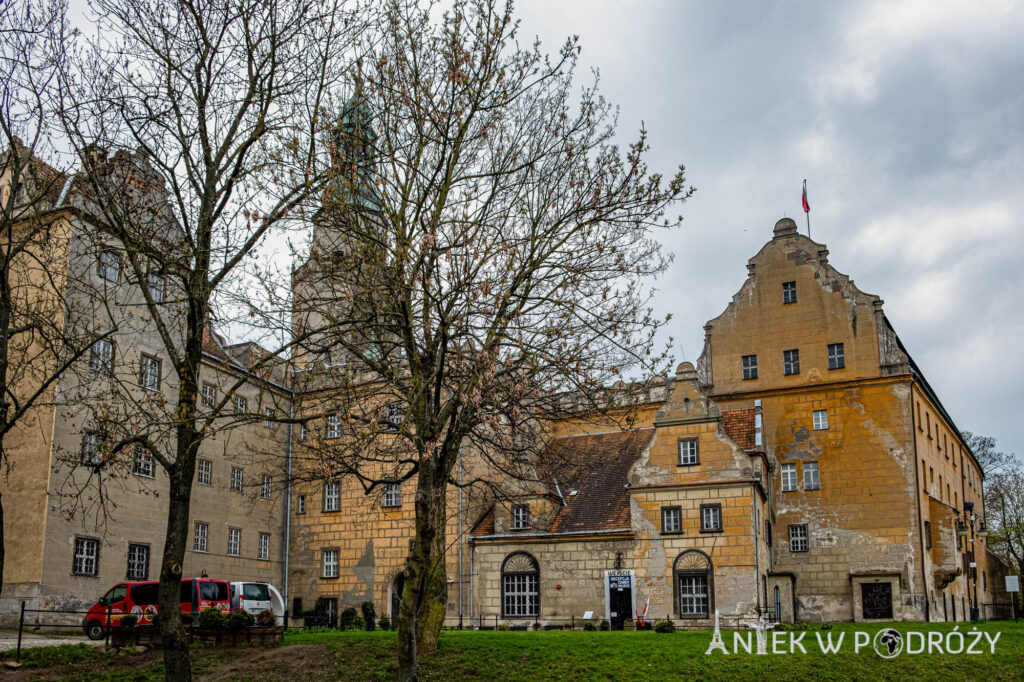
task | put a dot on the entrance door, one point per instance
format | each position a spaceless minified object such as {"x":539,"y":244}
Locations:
{"x":620,"y":599}
{"x":396,"y":599}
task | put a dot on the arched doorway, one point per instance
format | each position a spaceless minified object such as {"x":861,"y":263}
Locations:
{"x":397,"y":586}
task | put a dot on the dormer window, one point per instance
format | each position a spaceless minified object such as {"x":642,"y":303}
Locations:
{"x":520,"y":516}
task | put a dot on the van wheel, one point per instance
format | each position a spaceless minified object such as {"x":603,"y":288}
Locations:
{"x":95,"y":630}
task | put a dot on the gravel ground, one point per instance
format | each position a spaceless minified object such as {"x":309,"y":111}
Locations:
{"x":9,"y":640}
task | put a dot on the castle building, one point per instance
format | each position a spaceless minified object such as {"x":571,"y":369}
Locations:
{"x":804,"y":469}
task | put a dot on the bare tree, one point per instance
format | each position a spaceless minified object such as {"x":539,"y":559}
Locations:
{"x":225,"y":104}
{"x":493,"y":247}
{"x":1004,"y":498}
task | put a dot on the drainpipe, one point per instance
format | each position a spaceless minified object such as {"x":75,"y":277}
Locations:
{"x":288,"y":498}
{"x":472,"y":547}
{"x":460,"y":536}
{"x":920,"y":512}
{"x":757,"y":546}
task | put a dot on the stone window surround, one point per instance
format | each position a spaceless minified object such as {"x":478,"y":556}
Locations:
{"x":748,"y":367}
{"x":536,"y":572}
{"x":95,"y":556}
{"x":519,"y":517}
{"x":709,"y":572}
{"x":836,"y":355}
{"x":144,"y":574}
{"x":204,"y":472}
{"x":789,"y":292}
{"x":712,"y":505}
{"x":336,"y":563}
{"x":696,"y":451}
{"x":679,"y":510}
{"x":806,"y":538}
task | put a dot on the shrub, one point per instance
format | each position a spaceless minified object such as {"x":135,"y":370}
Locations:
{"x":211,"y":619}
{"x":266,"y":617}
{"x":664,"y":626}
{"x":589,"y":627}
{"x":369,"y":615}
{"x":129,"y":620}
{"x":788,"y":627}
{"x":503,"y":627}
{"x":357,"y":624}
{"x":384,"y":623}
{"x":605,"y":625}
{"x":186,"y":619}
{"x":237,"y":620}
{"x":347,"y":616}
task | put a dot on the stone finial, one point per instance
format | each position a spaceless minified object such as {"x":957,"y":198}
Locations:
{"x":686,"y":372}
{"x":785,"y":228}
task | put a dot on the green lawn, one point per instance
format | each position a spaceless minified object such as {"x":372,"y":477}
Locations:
{"x":531,"y":656}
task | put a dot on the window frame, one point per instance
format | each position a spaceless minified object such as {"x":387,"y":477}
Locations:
{"x":266,"y":485}
{"x":157,"y":294}
{"x":836,"y":354}
{"x":97,"y":364}
{"x":156,"y":375}
{"x":819,"y":420}
{"x":269,"y":415}
{"x":799,"y":538}
{"x":241,"y":404}
{"x":300,"y":504}
{"x":519,"y":516}
{"x":716,"y":508}
{"x":788,"y":467}
{"x":695,"y":442}
{"x":208,"y":472}
{"x":808,"y":467}
{"x":204,"y":536}
{"x":332,"y":429}
{"x":324,"y":563}
{"x":90,"y":451}
{"x":748,"y":367}
{"x":328,"y":496}
{"x":525,"y":596}
{"x":79,"y":560}
{"x":684,"y":568}
{"x":391,"y":495}
{"x":666,"y":511}
{"x":789,"y":292}
{"x":791,"y":362}
{"x":303,"y":432}
{"x":237,"y":480}
{"x":263,"y":548}
{"x":235,"y":535}
{"x":209,"y":397}
{"x":144,"y":574}
{"x":143,"y":454}
{"x":102,"y":267}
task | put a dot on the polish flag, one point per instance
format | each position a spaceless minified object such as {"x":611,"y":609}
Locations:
{"x":807,"y":207}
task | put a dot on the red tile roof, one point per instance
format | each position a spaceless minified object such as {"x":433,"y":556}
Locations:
{"x":739,"y":425}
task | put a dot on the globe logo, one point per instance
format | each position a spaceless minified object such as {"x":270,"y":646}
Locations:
{"x":888,"y":643}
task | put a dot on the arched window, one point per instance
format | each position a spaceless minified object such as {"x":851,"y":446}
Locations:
{"x":520,"y":586}
{"x":694,"y":584}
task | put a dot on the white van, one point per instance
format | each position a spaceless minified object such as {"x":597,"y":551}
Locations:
{"x":257,"y":598}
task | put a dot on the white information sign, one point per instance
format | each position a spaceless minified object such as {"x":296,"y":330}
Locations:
{"x":1012,"y":583}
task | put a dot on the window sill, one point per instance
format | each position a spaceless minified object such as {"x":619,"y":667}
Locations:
{"x":812,"y":490}
{"x":136,"y":473}
{"x":201,"y":551}
{"x":688,"y":465}
{"x":794,"y":490}
{"x":672,"y":532}
{"x":328,"y":577}
{"x":329,"y":511}
{"x":712,"y":530}
{"x":84,"y":575}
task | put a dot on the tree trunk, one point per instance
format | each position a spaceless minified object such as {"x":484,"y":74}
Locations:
{"x":2,"y":539}
{"x":177,"y":662}
{"x":425,"y":596}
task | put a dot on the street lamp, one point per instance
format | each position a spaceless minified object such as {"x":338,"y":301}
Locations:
{"x":982,"y":532}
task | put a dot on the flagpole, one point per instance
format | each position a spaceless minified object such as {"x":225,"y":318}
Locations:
{"x":807,"y":209}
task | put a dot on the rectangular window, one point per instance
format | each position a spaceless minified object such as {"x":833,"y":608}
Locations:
{"x":333,"y":426}
{"x":109,"y":266}
{"x":520,"y":594}
{"x":303,"y":432}
{"x":520,"y":516}
{"x":710,"y":518}
{"x":138,"y":562}
{"x":87,"y":552}
{"x":791,"y":362}
{"x":234,"y":541}
{"x":269,"y":414}
{"x":395,"y":414}
{"x":836,"y":356}
{"x":688,"y":453}
{"x":301,"y":505}
{"x":264,"y":551}
{"x":241,"y":405}
{"x":102,"y":360}
{"x":330,"y":563}
{"x":693,"y":595}
{"x":204,"y":472}
{"x":789,"y":292}
{"x":209,"y":395}
{"x":265,"y":484}
{"x":143,"y":462}
{"x":332,"y":496}
{"x":749,"y":367}
{"x":788,"y":477}
{"x":811,"y":480}
{"x":91,"y":448}
{"x":798,"y":538}
{"x":927,"y":534}
{"x":149,"y":372}
{"x":236,"y":480}
{"x":392,"y":495}
{"x":199,"y":541}
{"x":820,"y":420}
{"x":156,"y":287}
{"x":671,"y":519}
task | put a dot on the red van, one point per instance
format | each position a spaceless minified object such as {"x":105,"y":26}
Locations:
{"x":140,"y":599}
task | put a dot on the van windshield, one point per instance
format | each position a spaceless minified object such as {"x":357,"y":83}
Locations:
{"x":255,"y":592}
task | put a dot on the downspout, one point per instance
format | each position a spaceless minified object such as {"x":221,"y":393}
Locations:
{"x":757,"y":547}
{"x":472,"y":548}
{"x":288,"y":497}
{"x":920,"y":513}
{"x":460,"y":536}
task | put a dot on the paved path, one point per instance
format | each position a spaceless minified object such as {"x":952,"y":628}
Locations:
{"x":9,"y":640}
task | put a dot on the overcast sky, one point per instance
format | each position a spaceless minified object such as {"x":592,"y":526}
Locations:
{"x":906,"y":118}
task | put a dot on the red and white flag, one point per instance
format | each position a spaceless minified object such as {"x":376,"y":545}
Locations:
{"x":643,"y":618}
{"x":807,"y":207}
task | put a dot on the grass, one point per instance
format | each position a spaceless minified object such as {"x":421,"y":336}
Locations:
{"x":557,"y":655}
{"x":49,"y":656}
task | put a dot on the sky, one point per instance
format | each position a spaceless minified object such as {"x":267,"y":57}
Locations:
{"x":907,"y":120}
